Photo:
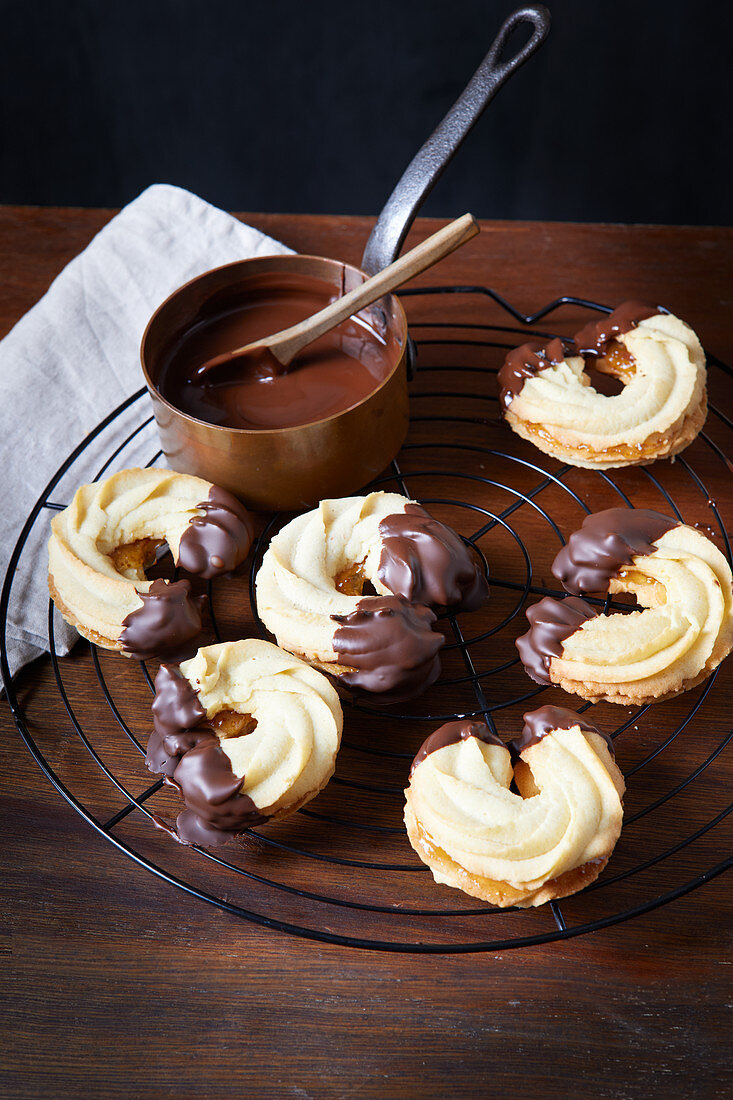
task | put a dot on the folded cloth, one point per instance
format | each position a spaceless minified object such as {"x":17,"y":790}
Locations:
{"x":74,"y":357}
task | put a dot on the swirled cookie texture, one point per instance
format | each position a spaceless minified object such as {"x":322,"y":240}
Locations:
{"x":311,"y":590}
{"x":246,"y":732}
{"x":101,"y":544}
{"x":548,"y":395}
{"x":681,"y":632}
{"x":549,"y":840}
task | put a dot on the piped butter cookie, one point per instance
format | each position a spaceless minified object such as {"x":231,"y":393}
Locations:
{"x":353,"y":585}
{"x":246,"y":733}
{"x":101,"y":544}
{"x":549,"y":840}
{"x":681,"y":632}
{"x":550,"y":397}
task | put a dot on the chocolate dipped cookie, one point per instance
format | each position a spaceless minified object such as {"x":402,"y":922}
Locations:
{"x":246,"y":733}
{"x":353,"y":586}
{"x":556,"y":395}
{"x":550,"y":839}
{"x":681,"y":631}
{"x":101,"y":544}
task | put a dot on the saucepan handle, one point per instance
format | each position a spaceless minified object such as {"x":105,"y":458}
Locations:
{"x":428,"y":165}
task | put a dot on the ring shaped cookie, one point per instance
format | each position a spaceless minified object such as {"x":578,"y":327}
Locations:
{"x":683,"y":631}
{"x":101,"y":543}
{"x":313,"y":582}
{"x":548,"y":396}
{"x":246,"y":732}
{"x":551,"y":839}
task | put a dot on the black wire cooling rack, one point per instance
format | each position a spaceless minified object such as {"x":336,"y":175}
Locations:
{"x":343,"y":862}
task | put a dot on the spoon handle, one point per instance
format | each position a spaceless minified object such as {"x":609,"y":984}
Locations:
{"x":285,"y":345}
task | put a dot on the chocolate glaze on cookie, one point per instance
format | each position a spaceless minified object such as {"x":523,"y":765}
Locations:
{"x":184,"y":748}
{"x":218,"y":541}
{"x":526,"y":362}
{"x":605,"y":544}
{"x":391,"y":646}
{"x":426,"y":562}
{"x":551,"y":622}
{"x":216,"y":806}
{"x":176,"y":705}
{"x":194,"y":762}
{"x":166,"y":750}
{"x":450,"y":734}
{"x":595,"y":337}
{"x":168,"y":620}
{"x":538,"y":723}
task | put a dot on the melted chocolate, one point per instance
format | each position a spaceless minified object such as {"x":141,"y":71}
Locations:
{"x":606,"y":542}
{"x":526,"y":362}
{"x":332,"y":374}
{"x":390,"y":645}
{"x":218,"y":541}
{"x":551,"y":622}
{"x":176,"y":705}
{"x":166,"y":750}
{"x":178,"y":721}
{"x":595,"y":337}
{"x":184,"y":748}
{"x":258,"y":362}
{"x":426,"y":562}
{"x":191,"y":828}
{"x":450,"y":734}
{"x":538,"y":723}
{"x":216,"y":807}
{"x":166,"y":623}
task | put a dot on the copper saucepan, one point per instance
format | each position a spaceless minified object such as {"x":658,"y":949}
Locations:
{"x":295,"y":467}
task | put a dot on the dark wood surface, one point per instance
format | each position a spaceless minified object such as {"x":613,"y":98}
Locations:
{"x":118,"y":984}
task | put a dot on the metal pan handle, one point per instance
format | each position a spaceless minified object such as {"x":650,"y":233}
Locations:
{"x":429,"y":163}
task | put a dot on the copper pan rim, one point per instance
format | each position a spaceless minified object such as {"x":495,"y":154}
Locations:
{"x":246,"y":432}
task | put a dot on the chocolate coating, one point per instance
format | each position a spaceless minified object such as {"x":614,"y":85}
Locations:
{"x":390,"y":644}
{"x":538,"y":723}
{"x":551,"y":622}
{"x":450,"y":734}
{"x":526,"y":362}
{"x":426,"y":562}
{"x":176,"y":705}
{"x":185,"y":749}
{"x":168,"y":619}
{"x":606,"y":542}
{"x":192,"y":828}
{"x":195,"y":764}
{"x":218,"y":541}
{"x":595,"y":337}
{"x":216,"y":807}
{"x":165,"y":750}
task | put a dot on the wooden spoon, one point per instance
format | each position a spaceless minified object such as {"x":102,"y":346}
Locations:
{"x":274,"y":354}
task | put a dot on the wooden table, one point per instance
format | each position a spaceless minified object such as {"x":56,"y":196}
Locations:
{"x":117,"y":984}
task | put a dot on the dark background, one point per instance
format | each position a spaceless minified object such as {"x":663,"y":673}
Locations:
{"x":624,"y":114}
